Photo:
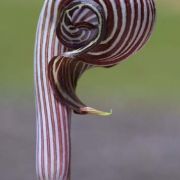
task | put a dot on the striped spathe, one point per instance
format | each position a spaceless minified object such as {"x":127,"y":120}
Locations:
{"x":73,"y":36}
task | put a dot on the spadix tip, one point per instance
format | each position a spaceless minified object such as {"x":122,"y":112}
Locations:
{"x":90,"y":110}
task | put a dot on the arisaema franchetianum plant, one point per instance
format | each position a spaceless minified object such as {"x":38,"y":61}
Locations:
{"x":72,"y":37}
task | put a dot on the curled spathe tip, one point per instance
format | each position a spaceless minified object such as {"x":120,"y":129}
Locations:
{"x":63,"y":74}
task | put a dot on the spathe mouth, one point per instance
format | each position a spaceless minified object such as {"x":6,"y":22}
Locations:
{"x":63,"y":74}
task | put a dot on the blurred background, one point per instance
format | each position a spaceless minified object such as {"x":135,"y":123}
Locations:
{"x":141,"y":140}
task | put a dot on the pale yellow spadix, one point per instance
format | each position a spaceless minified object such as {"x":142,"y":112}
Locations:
{"x":90,"y":110}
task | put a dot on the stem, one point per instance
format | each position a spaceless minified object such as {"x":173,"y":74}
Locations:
{"x":53,"y":118}
{"x":53,"y":148}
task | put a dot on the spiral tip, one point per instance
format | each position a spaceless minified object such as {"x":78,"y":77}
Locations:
{"x":90,"y":110}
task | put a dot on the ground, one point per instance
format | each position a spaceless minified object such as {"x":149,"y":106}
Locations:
{"x":139,"y":141}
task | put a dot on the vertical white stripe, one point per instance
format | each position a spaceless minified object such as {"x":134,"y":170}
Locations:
{"x":142,"y":28}
{"x":144,"y":22}
{"x":115,"y":15}
{"x":45,"y":84}
{"x":41,"y":104}
{"x":36,"y":101}
{"x":50,"y":55}
{"x":68,"y":145}
{"x":53,"y":114}
{"x":149,"y":25}
{"x":39,"y":146}
{"x":104,"y":8}
{"x":130,"y":29}
{"x":56,"y":125}
{"x":63,"y":139}
{"x":136,"y":30}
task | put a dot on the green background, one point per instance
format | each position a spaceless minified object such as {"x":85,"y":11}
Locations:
{"x":153,"y":73}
